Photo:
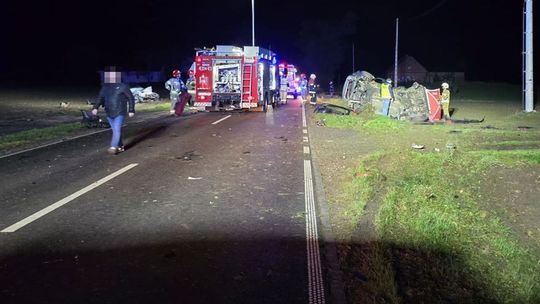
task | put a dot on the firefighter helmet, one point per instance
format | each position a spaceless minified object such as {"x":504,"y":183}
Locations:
{"x":388,"y":80}
{"x":445,"y":85}
{"x":176,"y":73}
{"x":312,"y":76}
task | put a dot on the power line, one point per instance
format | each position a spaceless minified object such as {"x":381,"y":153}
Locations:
{"x":429,"y":11}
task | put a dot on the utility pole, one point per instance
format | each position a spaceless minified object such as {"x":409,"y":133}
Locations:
{"x":528,"y":73}
{"x":253,"y":22}
{"x":353,"y":65}
{"x":396,"y":54}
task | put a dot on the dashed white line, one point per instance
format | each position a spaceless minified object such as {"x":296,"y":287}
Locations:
{"x":306,"y":150}
{"x":304,"y":122}
{"x":306,"y":139}
{"x":218,"y":121}
{"x":304,"y":131}
{"x":65,"y":200}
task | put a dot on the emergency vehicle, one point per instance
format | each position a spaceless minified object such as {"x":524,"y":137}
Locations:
{"x":293,"y":82}
{"x":230,"y":77}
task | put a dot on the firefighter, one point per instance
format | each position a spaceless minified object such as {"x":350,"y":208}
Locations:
{"x":387,"y":96}
{"x":445,"y":100}
{"x":312,"y":88}
{"x":331,"y":88}
{"x":190,"y":84}
{"x":175,"y":86}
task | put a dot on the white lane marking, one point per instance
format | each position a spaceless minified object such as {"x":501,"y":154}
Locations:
{"x":54,"y":143}
{"x":304,"y":131}
{"x":66,"y":200}
{"x":306,"y":150}
{"x":218,"y":121}
{"x":304,"y":123}
{"x":315,"y":278}
{"x":306,"y":139}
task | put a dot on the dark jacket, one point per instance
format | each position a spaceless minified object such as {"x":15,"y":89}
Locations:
{"x":115,"y":98}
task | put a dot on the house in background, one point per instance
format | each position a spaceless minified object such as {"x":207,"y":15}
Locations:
{"x":136,"y":77}
{"x":410,"y":70}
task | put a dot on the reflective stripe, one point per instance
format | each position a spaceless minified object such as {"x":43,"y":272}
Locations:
{"x":202,"y":104}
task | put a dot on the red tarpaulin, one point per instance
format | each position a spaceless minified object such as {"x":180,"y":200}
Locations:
{"x":435,"y":112}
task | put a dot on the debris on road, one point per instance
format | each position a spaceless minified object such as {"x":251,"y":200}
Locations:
{"x":93,"y":121}
{"x":417,"y":147}
{"x":194,"y":178}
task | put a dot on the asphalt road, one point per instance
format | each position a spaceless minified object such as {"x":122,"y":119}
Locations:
{"x":202,"y":212}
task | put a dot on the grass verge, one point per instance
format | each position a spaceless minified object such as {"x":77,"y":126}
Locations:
{"x":153,"y":107}
{"x":431,"y":214}
{"x":435,"y":242}
{"x":23,"y":138}
{"x":364,"y":122}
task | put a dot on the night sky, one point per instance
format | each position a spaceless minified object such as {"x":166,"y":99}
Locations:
{"x":67,"y":41}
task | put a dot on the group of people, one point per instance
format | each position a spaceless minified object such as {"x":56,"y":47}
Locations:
{"x":178,"y":91}
{"x":118,"y":100}
{"x":387,"y":96}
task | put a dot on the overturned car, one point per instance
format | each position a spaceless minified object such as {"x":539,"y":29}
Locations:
{"x":144,"y":94}
{"x":362,"y":90}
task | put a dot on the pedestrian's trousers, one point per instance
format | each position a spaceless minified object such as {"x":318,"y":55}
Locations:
{"x":386,"y":107}
{"x":116,"y":127}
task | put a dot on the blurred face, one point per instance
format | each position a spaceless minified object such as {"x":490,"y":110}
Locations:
{"x":113,"y":77}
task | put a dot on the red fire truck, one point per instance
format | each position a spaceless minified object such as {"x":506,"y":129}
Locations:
{"x":230,"y":77}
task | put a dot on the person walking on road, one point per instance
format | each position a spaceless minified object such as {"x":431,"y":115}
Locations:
{"x":116,"y":98}
{"x":175,"y":85}
{"x":445,"y":100}
{"x":387,"y":96}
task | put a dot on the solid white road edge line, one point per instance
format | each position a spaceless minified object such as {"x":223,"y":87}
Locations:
{"x":218,"y":121}
{"x":66,"y":200}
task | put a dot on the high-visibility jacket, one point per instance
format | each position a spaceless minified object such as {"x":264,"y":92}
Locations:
{"x":445,"y":96}
{"x":386,"y":91}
